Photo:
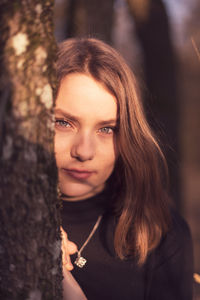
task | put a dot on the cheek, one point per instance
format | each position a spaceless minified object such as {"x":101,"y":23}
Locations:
{"x":61,"y":149}
{"x":108,"y":159}
{"x":61,"y":144}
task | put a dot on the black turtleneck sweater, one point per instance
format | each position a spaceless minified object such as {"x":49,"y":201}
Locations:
{"x":166,"y":275}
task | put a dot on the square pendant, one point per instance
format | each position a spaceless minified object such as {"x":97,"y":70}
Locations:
{"x":80,"y":261}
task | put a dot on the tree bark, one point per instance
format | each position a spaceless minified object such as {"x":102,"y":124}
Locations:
{"x":30,"y":255}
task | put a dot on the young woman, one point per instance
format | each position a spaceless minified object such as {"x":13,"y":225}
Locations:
{"x":124,"y":240}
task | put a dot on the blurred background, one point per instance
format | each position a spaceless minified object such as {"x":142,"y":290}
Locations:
{"x":160,"y":40}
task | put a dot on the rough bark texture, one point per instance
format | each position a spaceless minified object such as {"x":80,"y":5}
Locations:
{"x":30,"y":256}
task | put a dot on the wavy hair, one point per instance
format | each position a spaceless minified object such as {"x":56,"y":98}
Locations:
{"x":139,"y":180}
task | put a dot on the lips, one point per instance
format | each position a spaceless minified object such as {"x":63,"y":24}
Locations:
{"x":79,"y":174}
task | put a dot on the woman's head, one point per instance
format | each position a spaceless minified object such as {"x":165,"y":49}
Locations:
{"x":137,"y":158}
{"x":86,"y":119}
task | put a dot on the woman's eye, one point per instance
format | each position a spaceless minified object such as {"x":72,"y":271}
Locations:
{"x":62,"y":123}
{"x":107,"y":130}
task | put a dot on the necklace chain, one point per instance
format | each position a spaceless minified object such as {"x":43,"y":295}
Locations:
{"x":81,"y":261}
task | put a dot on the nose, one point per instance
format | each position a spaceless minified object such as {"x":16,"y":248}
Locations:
{"x":83,"y":147}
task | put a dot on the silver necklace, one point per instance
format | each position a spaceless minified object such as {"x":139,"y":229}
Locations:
{"x":81,"y":261}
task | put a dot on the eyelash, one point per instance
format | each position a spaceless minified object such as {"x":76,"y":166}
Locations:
{"x":108,"y":128}
{"x":62,"y":123}
{"x":65,"y":124}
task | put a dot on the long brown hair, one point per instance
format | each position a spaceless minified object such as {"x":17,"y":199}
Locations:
{"x":140,"y":172}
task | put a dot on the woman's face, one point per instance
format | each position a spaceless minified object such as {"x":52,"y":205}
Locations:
{"x":86,"y":119}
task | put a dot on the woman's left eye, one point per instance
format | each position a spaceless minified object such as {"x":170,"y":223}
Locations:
{"x":107,"y":130}
{"x":62,"y":123}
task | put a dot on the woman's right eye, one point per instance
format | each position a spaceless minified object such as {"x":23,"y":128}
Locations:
{"x":62,"y":123}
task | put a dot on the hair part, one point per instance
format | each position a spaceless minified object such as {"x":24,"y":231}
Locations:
{"x":140,"y":175}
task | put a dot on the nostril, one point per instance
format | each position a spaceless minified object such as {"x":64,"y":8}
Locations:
{"x":80,"y":156}
{"x":83,"y":149}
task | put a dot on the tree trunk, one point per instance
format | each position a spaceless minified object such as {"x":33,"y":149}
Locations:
{"x":161,"y":100}
{"x":90,"y":18}
{"x":30,"y":256}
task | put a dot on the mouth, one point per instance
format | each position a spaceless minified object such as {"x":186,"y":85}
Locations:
{"x":78,"y":174}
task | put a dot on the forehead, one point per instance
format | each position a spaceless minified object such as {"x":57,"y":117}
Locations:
{"x":83,"y":96}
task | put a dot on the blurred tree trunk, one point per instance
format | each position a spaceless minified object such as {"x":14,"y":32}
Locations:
{"x":90,"y":18}
{"x":161,"y":98}
{"x":30,"y":256}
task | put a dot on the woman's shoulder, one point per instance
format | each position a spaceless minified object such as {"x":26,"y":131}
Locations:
{"x":179,"y":229}
{"x":171,"y":263}
{"x":176,"y":242}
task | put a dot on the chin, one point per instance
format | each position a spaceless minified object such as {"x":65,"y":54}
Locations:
{"x":77,"y":190}
{"x":80,"y":191}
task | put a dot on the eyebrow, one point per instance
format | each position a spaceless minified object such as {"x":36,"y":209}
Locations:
{"x":65,"y":114}
{"x":76,"y":119}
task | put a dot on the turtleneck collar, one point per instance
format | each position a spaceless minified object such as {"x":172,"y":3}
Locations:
{"x":86,"y":210}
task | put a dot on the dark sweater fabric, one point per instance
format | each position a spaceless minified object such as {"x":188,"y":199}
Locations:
{"x":166,"y":275}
